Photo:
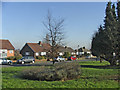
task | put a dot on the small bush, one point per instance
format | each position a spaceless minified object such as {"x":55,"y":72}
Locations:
{"x":18,"y":57}
{"x":48,"y":59}
{"x":36,"y":57}
{"x":40,"y":57}
{"x":43,"y":57}
{"x":11,"y":58}
{"x":60,"y":71}
{"x":67,"y":54}
{"x":68,"y":71}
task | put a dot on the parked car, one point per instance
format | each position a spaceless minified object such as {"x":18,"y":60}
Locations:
{"x":72,"y":58}
{"x":5,"y":61}
{"x":59,"y":59}
{"x":117,"y":61}
{"x":27,"y":59}
{"x":87,"y":57}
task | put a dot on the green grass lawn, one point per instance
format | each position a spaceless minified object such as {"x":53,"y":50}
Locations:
{"x":92,"y":77}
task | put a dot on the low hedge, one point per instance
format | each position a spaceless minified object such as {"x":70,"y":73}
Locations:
{"x":11,"y":58}
{"x":18,"y":57}
{"x":14,"y":57}
{"x":40,"y":57}
{"x":60,"y":71}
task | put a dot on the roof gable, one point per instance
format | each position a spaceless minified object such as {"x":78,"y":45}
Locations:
{"x":5,"y":44}
{"x":39,"y":48}
{"x":65,"y":49}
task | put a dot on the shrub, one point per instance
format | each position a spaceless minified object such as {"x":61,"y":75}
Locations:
{"x":60,"y":71}
{"x":68,"y":71}
{"x":43,"y":57}
{"x":86,"y":54}
{"x":40,"y":57}
{"x":36,"y":57}
{"x":11,"y":58}
{"x":18,"y":57}
{"x":48,"y":59}
{"x":67,"y":54}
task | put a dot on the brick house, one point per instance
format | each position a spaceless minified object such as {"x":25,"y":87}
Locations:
{"x":62,"y":50}
{"x":35,"y":49}
{"x":6,"y":49}
{"x":83,"y":50}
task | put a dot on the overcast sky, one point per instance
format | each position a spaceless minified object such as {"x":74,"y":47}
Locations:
{"x":22,"y":21}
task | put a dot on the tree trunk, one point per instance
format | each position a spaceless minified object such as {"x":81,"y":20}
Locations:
{"x":113,"y":62}
{"x":119,"y":62}
{"x":100,"y":60}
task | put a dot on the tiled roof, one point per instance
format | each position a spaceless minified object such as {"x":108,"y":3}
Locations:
{"x":39,"y":48}
{"x":83,"y":50}
{"x":5,"y":44}
{"x":67,"y":49}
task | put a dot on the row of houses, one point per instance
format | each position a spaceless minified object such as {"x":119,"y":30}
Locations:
{"x":33,"y":49}
{"x":40,"y":49}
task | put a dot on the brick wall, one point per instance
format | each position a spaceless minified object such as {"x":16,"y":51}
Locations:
{"x":10,"y":53}
{"x":25,"y":49}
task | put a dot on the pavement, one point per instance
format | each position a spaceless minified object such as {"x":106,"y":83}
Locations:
{"x":46,"y":63}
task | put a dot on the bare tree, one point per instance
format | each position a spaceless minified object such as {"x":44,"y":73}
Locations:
{"x":46,"y":39}
{"x":55,"y":33}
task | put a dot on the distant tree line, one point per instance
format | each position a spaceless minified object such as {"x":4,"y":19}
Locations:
{"x":106,"y":41}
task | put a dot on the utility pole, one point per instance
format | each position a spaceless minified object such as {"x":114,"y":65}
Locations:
{"x":78,"y":50}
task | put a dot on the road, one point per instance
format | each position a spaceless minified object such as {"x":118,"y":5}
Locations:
{"x":47,"y":63}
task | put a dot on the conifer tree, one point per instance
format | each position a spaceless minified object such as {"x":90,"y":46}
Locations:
{"x":104,"y":42}
{"x":97,"y":42}
{"x":118,"y":36}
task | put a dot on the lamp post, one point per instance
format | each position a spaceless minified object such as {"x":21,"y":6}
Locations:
{"x":78,"y":50}
{"x":114,"y":54}
{"x":114,"y":58}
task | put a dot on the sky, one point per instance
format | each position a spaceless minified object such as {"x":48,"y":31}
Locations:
{"x":22,"y":22}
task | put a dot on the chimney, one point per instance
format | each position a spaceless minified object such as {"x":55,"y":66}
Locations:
{"x":40,"y":43}
{"x":65,"y":47}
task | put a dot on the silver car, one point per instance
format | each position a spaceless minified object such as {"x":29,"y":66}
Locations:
{"x":5,"y":61}
{"x":59,"y":59}
{"x":27,"y":59}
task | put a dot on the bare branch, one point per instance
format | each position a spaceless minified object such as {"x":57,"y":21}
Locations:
{"x":55,"y":33}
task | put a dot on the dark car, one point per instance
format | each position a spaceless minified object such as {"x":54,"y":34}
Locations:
{"x":27,"y":59}
{"x":72,"y":58}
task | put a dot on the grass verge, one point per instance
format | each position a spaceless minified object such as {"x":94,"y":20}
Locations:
{"x":91,"y":77}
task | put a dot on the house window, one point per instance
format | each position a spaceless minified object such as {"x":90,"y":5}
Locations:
{"x":43,"y":53}
{"x":4,"y":54}
{"x":11,"y":51}
{"x":27,"y":53}
{"x":72,"y":53}
{"x":37,"y":54}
